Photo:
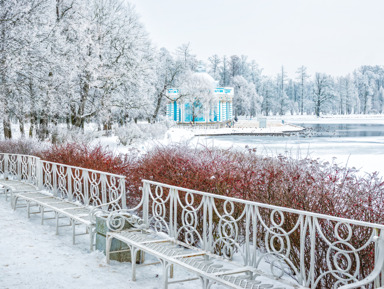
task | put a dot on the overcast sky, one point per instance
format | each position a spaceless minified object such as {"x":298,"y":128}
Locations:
{"x":332,"y":36}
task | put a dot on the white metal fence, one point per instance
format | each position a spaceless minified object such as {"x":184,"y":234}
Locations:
{"x":89,"y":187}
{"x":317,"y":251}
{"x":20,"y":167}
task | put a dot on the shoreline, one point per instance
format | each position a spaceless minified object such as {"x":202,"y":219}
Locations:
{"x":271,"y":130}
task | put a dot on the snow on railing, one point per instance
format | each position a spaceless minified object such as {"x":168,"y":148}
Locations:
{"x":317,"y":251}
{"x":89,"y":187}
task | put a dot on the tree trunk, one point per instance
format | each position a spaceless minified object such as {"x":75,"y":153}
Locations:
{"x":42,"y":131}
{"x":32,"y":127}
{"x":7,"y":127}
{"x":158,"y":104}
{"x":317,"y":108}
{"x":21,"y":127}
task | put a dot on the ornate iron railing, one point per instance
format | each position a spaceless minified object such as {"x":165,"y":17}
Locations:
{"x":317,"y":251}
{"x":20,"y":167}
{"x":89,"y":187}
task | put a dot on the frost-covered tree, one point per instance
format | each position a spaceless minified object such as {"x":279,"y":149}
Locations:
{"x":268,"y":90}
{"x":214,"y":69}
{"x":364,"y":87}
{"x":197,"y":91}
{"x":302,"y":76}
{"x":168,"y":73}
{"x":16,"y":18}
{"x":381,"y":99}
{"x":282,"y":94}
{"x":246,"y":100}
{"x":322,"y":92}
{"x":184,"y":54}
{"x":241,"y":100}
{"x":224,"y":72}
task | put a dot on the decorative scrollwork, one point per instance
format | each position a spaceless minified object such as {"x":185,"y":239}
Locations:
{"x":24,"y":162}
{"x":12,"y":165}
{"x":188,"y":229}
{"x":342,"y":257}
{"x":119,"y":220}
{"x":2,"y":162}
{"x":160,"y":203}
{"x":62,"y":188}
{"x":95,"y":193}
{"x":77,"y":185}
{"x":228,"y":229}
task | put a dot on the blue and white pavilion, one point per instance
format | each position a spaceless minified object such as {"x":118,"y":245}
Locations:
{"x":219,"y":109}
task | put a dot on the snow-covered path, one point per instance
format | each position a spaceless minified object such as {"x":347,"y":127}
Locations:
{"x":33,"y":257}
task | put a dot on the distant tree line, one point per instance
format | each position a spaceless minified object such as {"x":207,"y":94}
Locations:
{"x":77,"y":61}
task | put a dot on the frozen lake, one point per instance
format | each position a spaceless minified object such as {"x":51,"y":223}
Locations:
{"x":359,"y":144}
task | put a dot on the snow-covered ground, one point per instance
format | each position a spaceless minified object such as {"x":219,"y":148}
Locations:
{"x":33,"y":257}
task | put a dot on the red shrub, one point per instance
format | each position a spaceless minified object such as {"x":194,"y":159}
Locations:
{"x":80,"y":155}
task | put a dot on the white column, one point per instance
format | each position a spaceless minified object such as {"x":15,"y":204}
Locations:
{"x":224,"y":111}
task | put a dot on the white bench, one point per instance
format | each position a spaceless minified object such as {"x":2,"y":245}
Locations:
{"x":57,"y":191}
{"x":231,"y":242}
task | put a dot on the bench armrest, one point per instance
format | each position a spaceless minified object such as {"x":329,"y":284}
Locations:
{"x":119,"y":220}
{"x":97,"y":211}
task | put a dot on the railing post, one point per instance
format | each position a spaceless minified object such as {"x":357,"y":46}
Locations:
{"x":379,"y":281}
{"x":103,"y":181}
{"x":29,"y":169}
{"x":210,"y":201}
{"x":69,"y":183}
{"x":39,"y":173}
{"x":123,"y":194}
{"x":205,"y":223}
{"x":19,"y":166}
{"x":6,"y":163}
{"x":305,"y":226}
{"x":312,"y":235}
{"x":172,"y":212}
{"x":146,"y":189}
{"x":173,"y":219}
{"x":86,"y":186}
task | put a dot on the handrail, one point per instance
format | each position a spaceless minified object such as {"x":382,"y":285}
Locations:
{"x":89,"y":170}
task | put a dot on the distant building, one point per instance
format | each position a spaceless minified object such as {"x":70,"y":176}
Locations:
{"x":217,"y":109}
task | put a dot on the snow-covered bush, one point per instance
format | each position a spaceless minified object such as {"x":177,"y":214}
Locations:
{"x":154,"y":131}
{"x":129,"y":134}
{"x":22,"y":146}
{"x":132,"y":132}
{"x":62,"y":135}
